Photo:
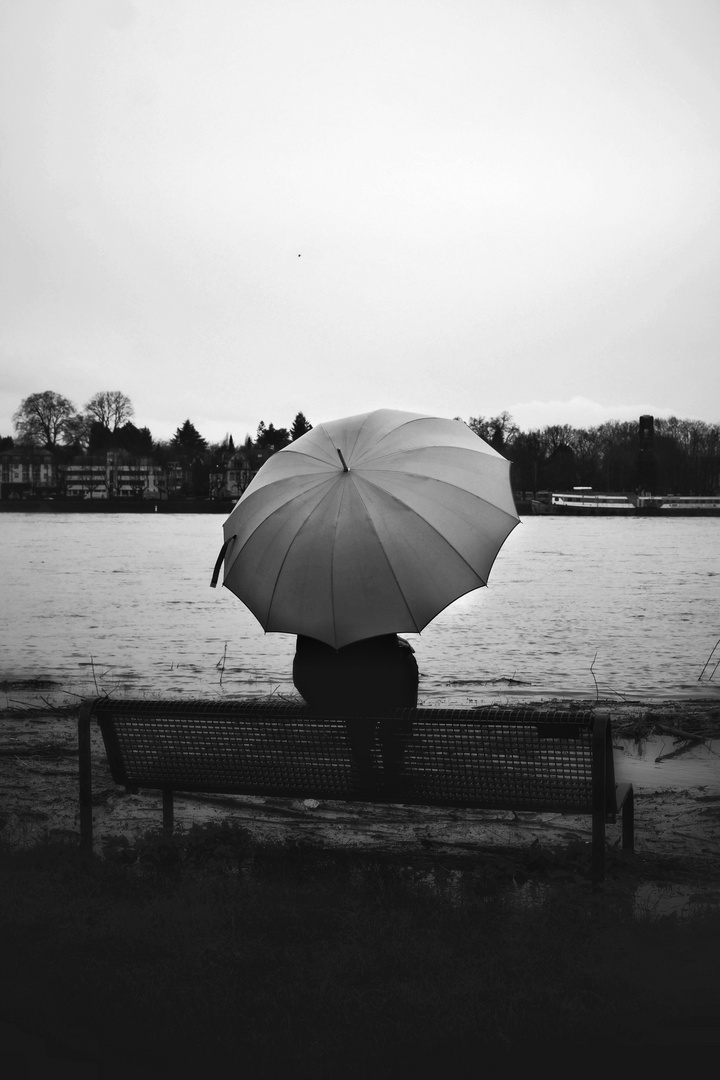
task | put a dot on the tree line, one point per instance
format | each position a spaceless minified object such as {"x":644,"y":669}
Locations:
{"x":660,"y":456}
{"x":668,"y":456}
{"x":50,"y":421}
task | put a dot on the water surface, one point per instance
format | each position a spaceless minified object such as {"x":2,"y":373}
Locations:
{"x":574,"y":608}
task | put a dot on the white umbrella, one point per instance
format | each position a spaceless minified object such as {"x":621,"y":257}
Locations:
{"x":368,"y":525}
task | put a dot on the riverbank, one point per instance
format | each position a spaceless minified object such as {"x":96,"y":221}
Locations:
{"x":305,"y":939}
{"x":301,"y":938}
{"x":212,"y":956}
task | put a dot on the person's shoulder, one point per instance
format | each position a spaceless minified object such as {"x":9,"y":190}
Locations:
{"x":309,"y":646}
{"x":378,"y":646}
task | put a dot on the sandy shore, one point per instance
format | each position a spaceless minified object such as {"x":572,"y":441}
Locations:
{"x":676,"y":780}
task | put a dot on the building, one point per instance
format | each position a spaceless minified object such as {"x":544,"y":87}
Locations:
{"x":134,"y":478}
{"x":229,"y":480}
{"x":28,"y":472}
{"x":116,"y":476}
{"x":86,"y":480}
{"x":177,"y":479}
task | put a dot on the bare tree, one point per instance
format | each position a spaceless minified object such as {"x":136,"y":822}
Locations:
{"x":77,"y":431}
{"x":44,"y":418}
{"x":111,"y":408}
{"x":496,"y":430}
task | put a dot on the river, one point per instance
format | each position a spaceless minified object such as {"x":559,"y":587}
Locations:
{"x":575,"y":608}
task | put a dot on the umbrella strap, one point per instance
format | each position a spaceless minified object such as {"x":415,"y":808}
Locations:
{"x":218,"y":564}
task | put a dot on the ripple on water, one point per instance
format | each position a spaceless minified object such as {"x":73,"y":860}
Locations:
{"x":635,"y":614}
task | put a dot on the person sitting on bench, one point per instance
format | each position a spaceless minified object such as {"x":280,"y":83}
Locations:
{"x":358,"y":682}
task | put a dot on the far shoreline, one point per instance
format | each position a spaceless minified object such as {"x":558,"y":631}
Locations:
{"x":116,"y":506}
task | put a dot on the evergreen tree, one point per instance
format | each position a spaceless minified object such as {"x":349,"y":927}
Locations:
{"x":270,"y":439}
{"x":188,"y":440}
{"x":136,"y":441}
{"x":300,"y":427}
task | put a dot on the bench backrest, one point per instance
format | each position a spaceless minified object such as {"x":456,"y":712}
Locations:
{"x":490,"y":757}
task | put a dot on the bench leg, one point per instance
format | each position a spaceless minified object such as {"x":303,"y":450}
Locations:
{"x":598,"y":849}
{"x":628,"y":822}
{"x":85,"y":778}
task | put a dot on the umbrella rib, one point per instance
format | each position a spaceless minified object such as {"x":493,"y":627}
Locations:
{"x":444,"y":539}
{"x":392,"y":431}
{"x":305,"y":454}
{"x":278,"y":510}
{"x":373,"y":449}
{"x":414,"y":450}
{"x":292,"y":543}
{"x":382,"y":547}
{"x":335,"y":527}
{"x":446,"y":483}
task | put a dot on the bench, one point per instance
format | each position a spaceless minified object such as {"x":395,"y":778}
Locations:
{"x":517,"y":759}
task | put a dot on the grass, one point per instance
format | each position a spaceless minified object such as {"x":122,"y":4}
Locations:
{"x":207,"y":952}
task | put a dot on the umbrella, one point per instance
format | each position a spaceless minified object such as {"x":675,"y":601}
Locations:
{"x":368,"y":525}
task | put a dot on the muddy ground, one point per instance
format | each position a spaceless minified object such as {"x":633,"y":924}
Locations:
{"x":670,"y":752}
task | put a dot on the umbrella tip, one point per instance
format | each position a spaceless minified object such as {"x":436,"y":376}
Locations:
{"x":345,"y":468}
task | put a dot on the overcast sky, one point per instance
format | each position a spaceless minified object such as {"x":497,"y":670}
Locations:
{"x":234,"y":210}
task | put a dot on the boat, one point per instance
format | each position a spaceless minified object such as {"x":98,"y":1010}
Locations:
{"x":582,"y":500}
{"x":585,"y":501}
{"x":689,"y":504}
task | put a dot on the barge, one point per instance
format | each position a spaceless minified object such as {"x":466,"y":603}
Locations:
{"x":586,"y":502}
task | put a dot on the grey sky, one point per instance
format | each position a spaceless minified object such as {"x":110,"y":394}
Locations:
{"x":232,"y":210}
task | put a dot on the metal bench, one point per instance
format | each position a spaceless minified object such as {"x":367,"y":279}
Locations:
{"x":490,"y":758}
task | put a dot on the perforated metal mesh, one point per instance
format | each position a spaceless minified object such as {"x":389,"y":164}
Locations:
{"x":489,"y":758}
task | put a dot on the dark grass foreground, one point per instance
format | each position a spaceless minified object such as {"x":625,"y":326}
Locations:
{"x":208,"y":955}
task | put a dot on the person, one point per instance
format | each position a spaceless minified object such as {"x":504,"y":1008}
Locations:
{"x":358,"y":682}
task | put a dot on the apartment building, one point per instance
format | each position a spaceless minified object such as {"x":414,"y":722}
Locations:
{"x":27,"y":472}
{"x":118,"y":476}
{"x":137,"y":478}
{"x":86,"y":481}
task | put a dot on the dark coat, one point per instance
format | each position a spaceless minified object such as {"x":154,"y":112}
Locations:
{"x":363,"y":679}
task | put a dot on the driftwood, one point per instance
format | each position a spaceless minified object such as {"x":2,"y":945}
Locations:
{"x":666,"y":729}
{"x":690,"y":741}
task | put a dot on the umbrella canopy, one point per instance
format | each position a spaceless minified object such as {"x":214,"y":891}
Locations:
{"x":368,"y":525}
